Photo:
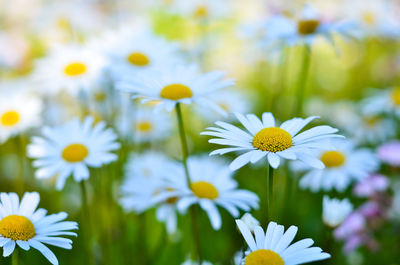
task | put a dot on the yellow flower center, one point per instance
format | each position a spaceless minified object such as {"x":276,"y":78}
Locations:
{"x":204,"y":189}
{"x":224,"y":106}
{"x":371,"y":121}
{"x":100,"y":96}
{"x":176,"y":92}
{"x":75,"y":153}
{"x":75,"y":69}
{"x":144,"y":126}
{"x":368,"y":17}
{"x":138,"y":59}
{"x":264,"y":257}
{"x":333,"y":158}
{"x":396,"y":96}
{"x":10,"y":118}
{"x":306,"y":27}
{"x":272,"y":139}
{"x":201,"y":11}
{"x":17,"y":227}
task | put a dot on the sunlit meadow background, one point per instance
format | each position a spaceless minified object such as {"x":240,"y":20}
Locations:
{"x":342,"y":72}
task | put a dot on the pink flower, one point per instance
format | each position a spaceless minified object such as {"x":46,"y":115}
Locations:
{"x":353,"y":224}
{"x":390,"y":153}
{"x":371,"y":185}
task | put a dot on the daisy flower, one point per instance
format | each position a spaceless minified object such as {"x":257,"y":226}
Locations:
{"x":192,"y":262}
{"x":71,"y":148}
{"x":176,"y":84}
{"x":384,"y":101}
{"x":18,"y":113}
{"x":250,"y":221}
{"x":129,"y":53}
{"x":23,"y":225}
{"x":145,"y":126}
{"x":211,"y":185}
{"x":304,"y":29}
{"x":202,"y":9}
{"x":230,"y":101}
{"x":264,"y":138}
{"x":390,"y":153}
{"x":69,"y":68}
{"x":144,"y":182}
{"x":342,"y":166}
{"x":335,"y":211}
{"x":273,"y":246}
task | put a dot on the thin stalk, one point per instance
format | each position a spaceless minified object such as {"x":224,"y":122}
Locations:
{"x":14,"y":257}
{"x":86,"y":223}
{"x":185,"y":153}
{"x":304,"y":72}
{"x":270,"y":192}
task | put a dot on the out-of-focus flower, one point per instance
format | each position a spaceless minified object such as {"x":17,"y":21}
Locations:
{"x":354,"y":223}
{"x":264,"y":139}
{"x":144,"y":183}
{"x":390,"y":153}
{"x":202,"y":9}
{"x":334,"y":211}
{"x":342,"y":166}
{"x":250,"y":221}
{"x":71,"y":148}
{"x":229,"y":101}
{"x":69,"y":68}
{"x":192,"y":262}
{"x":212,"y":185}
{"x":273,"y":246}
{"x":176,"y":84}
{"x":383,"y":101}
{"x":145,"y":126}
{"x":371,"y":185}
{"x":19,"y":111}
{"x":14,"y":50}
{"x":370,"y":129}
{"x":23,"y":225}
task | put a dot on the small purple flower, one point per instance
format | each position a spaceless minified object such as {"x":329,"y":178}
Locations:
{"x":353,"y":224}
{"x":369,"y":186}
{"x":390,"y":153}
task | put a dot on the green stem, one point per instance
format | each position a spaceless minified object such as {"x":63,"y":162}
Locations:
{"x":14,"y":257}
{"x":270,"y":191}
{"x":305,"y":68}
{"x":185,"y":153}
{"x":86,"y":223}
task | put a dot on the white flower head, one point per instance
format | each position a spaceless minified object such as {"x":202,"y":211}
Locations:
{"x":23,"y":225}
{"x":71,"y":148}
{"x":334,"y":211}
{"x":202,"y":9}
{"x":176,"y":84}
{"x":250,"y":221}
{"x":383,"y":101}
{"x":274,"y":246}
{"x":18,"y":113}
{"x":343,"y":165}
{"x":264,"y":138}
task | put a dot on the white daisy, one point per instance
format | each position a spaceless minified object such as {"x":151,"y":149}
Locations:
{"x":334,"y":211}
{"x":69,"y":68}
{"x":176,"y":84}
{"x":192,"y":262}
{"x":230,"y":101}
{"x":280,"y":29}
{"x":211,"y":185}
{"x":342,"y":166}
{"x":250,"y":221}
{"x":383,"y":101}
{"x":145,"y":125}
{"x":202,"y":9}
{"x":370,"y":129}
{"x":23,"y":225}
{"x":18,"y":112}
{"x":265,"y":139}
{"x":71,"y":148}
{"x":144,"y":182}
{"x":273,"y":246}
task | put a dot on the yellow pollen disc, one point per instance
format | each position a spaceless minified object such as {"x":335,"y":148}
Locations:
{"x":264,"y":257}
{"x":204,"y":189}
{"x":10,"y":118}
{"x":371,"y":121}
{"x":75,"y":69}
{"x":224,"y":106}
{"x":176,"y":92}
{"x":17,"y":227}
{"x":368,"y":17}
{"x":201,"y":11}
{"x":272,"y":139}
{"x":144,"y":126}
{"x":306,"y":27}
{"x":75,"y":153}
{"x":333,"y":158}
{"x":396,"y":96}
{"x":100,"y":96}
{"x":138,"y":59}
